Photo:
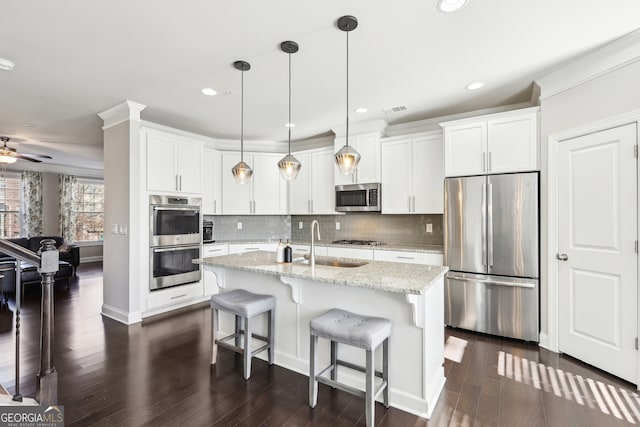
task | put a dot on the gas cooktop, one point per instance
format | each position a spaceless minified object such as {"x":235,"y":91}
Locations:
{"x":358,"y":242}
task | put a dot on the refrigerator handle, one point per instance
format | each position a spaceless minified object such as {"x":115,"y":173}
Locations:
{"x":484,"y":224}
{"x":490,"y":224}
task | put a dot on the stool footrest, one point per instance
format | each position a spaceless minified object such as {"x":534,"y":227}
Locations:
{"x":223,"y":343}
{"x":355,"y":367}
{"x":346,"y":388}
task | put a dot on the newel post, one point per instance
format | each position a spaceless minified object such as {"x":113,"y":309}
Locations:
{"x":47,"y":391}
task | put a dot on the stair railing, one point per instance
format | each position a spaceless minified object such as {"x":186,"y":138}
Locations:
{"x":46,"y":261}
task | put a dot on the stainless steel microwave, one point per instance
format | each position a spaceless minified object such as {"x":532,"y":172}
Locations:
{"x":358,"y":198}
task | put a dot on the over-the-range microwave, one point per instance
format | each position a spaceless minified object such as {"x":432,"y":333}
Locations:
{"x":358,"y":197}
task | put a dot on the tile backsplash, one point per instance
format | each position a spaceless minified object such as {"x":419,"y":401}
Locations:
{"x":392,"y":229}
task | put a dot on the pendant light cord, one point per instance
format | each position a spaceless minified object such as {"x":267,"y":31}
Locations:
{"x":289,"y":127}
{"x":242,"y":116}
{"x":347,"y":137}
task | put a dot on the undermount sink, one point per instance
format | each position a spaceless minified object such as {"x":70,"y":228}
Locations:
{"x":332,"y":262}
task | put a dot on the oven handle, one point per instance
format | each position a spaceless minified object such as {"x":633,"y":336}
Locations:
{"x":175,"y":248}
{"x":176,"y":208}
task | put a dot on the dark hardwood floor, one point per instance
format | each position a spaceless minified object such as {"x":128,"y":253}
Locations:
{"x":158,"y":374}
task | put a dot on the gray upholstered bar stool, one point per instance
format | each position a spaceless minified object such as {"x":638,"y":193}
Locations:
{"x":245,"y":306}
{"x":366,"y":332}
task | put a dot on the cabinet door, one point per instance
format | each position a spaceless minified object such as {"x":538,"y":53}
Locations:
{"x":396,"y":177}
{"x":269,"y":188}
{"x":368,"y":145}
{"x":465,"y":149}
{"x":189,"y":167}
{"x":512,"y":144}
{"x":161,"y":175}
{"x":211,"y":182}
{"x":236,"y":198}
{"x":323,"y":192}
{"x":428,"y":176}
{"x":299,"y":188}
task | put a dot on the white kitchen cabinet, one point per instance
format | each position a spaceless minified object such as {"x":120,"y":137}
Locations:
{"x":408,"y":257}
{"x":498,"y":143}
{"x":266,"y":192}
{"x":313,"y":192}
{"x":174,"y":295}
{"x":241,"y":248}
{"x":368,"y":170}
{"x":301,"y":250}
{"x":211,"y":182}
{"x":358,"y":253}
{"x":209,"y":278}
{"x":173,"y":164}
{"x":412,"y":174}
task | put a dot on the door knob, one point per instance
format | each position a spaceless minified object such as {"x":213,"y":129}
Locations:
{"x":562,"y":257}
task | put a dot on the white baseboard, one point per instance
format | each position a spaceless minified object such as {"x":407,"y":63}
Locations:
{"x":90,"y":259}
{"x":544,"y":341}
{"x":128,"y":318}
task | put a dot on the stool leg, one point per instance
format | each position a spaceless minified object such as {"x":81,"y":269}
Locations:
{"x":214,"y":335}
{"x":370,"y":409}
{"x":238,"y":328}
{"x":247,"y":348}
{"x":313,"y":360}
{"x":334,"y":360}
{"x":385,"y":371}
{"x":272,"y":327}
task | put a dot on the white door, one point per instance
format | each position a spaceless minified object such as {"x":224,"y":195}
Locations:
{"x":597,"y":230}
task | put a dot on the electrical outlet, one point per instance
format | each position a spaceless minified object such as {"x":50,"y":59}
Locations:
{"x":429,"y":228}
{"x":114,"y":228}
{"x":300,"y":225}
{"x":239,"y":225}
{"x":337,"y":225}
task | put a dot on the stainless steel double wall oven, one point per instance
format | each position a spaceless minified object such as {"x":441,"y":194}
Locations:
{"x":175,"y":237}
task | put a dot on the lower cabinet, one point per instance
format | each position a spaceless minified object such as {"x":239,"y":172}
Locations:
{"x":239,"y":248}
{"x":209,"y":279}
{"x":357,"y":253}
{"x":301,"y":250}
{"x":174,"y":295}
{"x":409,"y":257}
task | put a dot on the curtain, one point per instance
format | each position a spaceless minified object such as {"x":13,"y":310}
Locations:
{"x":67,"y":217}
{"x":31,"y":189}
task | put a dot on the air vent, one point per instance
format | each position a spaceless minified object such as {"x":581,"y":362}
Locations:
{"x":395,"y":109}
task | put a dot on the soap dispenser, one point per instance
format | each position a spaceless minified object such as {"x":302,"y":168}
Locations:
{"x":288,"y":253}
{"x":280,"y":252}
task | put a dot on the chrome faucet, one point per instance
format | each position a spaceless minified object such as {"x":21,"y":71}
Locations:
{"x":312,"y":250}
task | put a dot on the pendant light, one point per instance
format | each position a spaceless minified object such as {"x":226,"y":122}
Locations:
{"x":347,"y":158}
{"x":242,"y":172}
{"x":289,"y":166}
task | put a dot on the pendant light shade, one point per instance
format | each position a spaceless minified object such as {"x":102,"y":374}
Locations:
{"x":347,"y":158}
{"x":242,"y":172}
{"x":289,"y":166}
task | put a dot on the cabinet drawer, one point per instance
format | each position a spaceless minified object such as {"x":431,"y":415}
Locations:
{"x":409,"y":257}
{"x":350,"y":253}
{"x":209,"y":251}
{"x":299,"y":250}
{"x":241,"y":248}
{"x":174,"y":295}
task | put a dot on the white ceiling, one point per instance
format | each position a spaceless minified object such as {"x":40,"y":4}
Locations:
{"x":75,"y":58}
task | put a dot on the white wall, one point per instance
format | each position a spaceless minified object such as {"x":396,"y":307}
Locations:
{"x":606,"y":96}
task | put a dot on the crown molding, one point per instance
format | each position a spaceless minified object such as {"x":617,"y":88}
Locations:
{"x":58,"y":169}
{"x":475,"y":118}
{"x":361,"y":127}
{"x":124,"y":111}
{"x":609,"y":57}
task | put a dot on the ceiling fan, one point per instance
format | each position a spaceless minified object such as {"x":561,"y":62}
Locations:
{"x":10,"y":155}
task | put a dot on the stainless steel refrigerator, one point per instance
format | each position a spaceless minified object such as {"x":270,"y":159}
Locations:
{"x":491,"y":246}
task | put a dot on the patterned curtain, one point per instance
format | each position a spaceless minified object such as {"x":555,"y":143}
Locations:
{"x":67,"y":218}
{"x":31,"y":189}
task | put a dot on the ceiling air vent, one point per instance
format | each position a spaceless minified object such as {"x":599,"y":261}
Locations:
{"x":396,"y":109}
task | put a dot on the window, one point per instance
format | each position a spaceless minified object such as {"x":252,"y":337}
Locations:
{"x":9,"y":207}
{"x":88,"y":208}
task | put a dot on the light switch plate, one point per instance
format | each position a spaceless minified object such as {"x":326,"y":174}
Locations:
{"x":300,"y":225}
{"x":429,"y":228}
{"x":114,"y":228}
{"x":123,"y":229}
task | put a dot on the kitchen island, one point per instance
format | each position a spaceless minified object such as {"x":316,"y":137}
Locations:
{"x":410,"y":295}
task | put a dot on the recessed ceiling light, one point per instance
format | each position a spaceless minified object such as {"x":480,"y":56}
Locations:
{"x":208,"y":91}
{"x":6,"y":65}
{"x":360,"y":110}
{"x":475,"y":85}
{"x":450,"y":5}
{"x":290,"y":125}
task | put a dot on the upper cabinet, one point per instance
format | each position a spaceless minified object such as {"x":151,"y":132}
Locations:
{"x":173,"y":164}
{"x":313,"y":192}
{"x":498,"y":143}
{"x":368,"y":145}
{"x":266,"y":192}
{"x":412,"y":174}
{"x":211,"y":182}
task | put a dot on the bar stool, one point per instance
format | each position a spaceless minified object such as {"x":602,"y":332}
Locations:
{"x":245,"y":306}
{"x":366,"y":332}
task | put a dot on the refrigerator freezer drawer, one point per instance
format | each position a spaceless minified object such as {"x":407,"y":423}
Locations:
{"x":503,"y":306}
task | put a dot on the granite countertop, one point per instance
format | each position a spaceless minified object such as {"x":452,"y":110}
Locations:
{"x":379,"y":275}
{"x":385,"y":247}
